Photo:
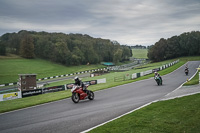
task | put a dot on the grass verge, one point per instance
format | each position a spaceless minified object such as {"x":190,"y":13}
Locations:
{"x":193,"y":81}
{"x":181,"y":115}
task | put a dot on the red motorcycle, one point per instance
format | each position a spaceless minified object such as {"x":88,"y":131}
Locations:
{"x":79,"y":94}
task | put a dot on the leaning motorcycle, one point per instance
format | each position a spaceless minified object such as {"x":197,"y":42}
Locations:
{"x":158,"y":80}
{"x":79,"y":94}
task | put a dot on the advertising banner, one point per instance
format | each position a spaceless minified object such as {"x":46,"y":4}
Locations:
{"x":99,"y":81}
{"x":31,"y":92}
{"x":53,"y":89}
{"x":92,"y":82}
{"x":69,"y":86}
{"x":9,"y":96}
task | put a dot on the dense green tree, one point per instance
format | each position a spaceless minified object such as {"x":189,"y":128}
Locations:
{"x":77,"y":56}
{"x":2,"y":48}
{"x":61,"y":53}
{"x":187,"y":44}
{"x":27,"y":46}
{"x":117,"y":55}
{"x":126,"y":53}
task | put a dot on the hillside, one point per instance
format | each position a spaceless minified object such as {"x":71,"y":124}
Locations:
{"x":66,"y":49}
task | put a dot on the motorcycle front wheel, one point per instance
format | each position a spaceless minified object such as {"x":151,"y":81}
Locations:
{"x":75,"y":97}
{"x":158,"y":82}
{"x":91,"y":95}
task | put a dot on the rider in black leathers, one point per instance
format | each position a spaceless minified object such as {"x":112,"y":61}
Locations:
{"x":80,"y":83}
{"x":186,"y":69}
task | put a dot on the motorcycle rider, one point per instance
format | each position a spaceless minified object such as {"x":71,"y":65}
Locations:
{"x":157,"y":74}
{"x":186,"y":68}
{"x":80,"y":83}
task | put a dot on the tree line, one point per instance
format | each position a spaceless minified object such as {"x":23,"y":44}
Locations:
{"x":67,"y":49}
{"x":186,"y":44}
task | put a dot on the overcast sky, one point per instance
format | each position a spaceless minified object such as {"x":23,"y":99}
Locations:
{"x":129,"y":22}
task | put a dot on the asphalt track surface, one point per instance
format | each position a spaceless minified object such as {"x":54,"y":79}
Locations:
{"x":66,"y":117}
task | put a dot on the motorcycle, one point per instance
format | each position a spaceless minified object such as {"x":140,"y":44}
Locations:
{"x":158,"y":80}
{"x":186,"y":71}
{"x":79,"y":94}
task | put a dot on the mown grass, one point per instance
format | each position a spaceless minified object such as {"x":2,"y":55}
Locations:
{"x":140,"y":53}
{"x":181,"y":115}
{"x":40,"y":99}
{"x":10,"y":68}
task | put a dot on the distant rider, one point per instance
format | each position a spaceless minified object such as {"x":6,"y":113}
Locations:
{"x":157,"y":74}
{"x":79,"y":83}
{"x":186,"y":68}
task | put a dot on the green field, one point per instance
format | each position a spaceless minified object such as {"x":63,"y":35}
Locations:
{"x":10,"y":68}
{"x":140,"y":53}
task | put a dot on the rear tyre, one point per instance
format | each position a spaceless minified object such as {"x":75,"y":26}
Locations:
{"x":75,"y":97}
{"x":91,"y":95}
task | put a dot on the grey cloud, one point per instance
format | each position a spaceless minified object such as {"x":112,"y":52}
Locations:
{"x":128,"y":21}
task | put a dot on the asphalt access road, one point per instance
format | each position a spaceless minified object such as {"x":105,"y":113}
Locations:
{"x":66,"y":117}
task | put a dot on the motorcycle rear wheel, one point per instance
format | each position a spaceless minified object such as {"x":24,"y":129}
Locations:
{"x":75,"y":97}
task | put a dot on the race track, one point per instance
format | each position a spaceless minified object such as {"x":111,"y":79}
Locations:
{"x":66,"y":117}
